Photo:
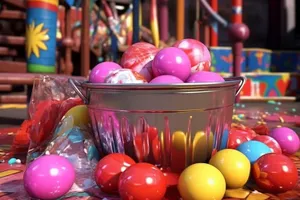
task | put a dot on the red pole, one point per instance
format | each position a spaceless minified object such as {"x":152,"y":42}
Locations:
{"x":237,"y":11}
{"x":214,"y":25}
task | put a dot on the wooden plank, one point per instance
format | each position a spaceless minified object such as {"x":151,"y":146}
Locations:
{"x":12,"y":40}
{"x":28,"y":78}
{"x":12,"y":14}
{"x":17,"y":3}
{"x":5,"y":87}
{"x":12,"y":66}
{"x":13,"y":99}
{"x":4,"y":51}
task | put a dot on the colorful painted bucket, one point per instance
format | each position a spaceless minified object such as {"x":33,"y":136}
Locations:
{"x":41,"y":35}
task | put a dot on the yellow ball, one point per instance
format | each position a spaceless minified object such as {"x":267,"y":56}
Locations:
{"x":79,"y":114}
{"x":201,"y":181}
{"x":234,"y":166}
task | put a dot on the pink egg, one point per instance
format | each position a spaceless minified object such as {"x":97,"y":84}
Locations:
{"x":197,"y":52}
{"x":49,"y":177}
{"x":204,"y":76}
{"x":171,"y":61}
{"x":287,"y":139}
{"x":101,"y":71}
{"x":166,"y":79}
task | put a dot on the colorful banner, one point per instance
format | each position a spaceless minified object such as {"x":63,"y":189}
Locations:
{"x":41,"y":35}
{"x":285,"y":61}
{"x":258,"y":60}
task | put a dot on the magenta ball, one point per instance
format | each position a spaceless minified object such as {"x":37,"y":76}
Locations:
{"x":49,"y":177}
{"x":204,"y":76}
{"x":171,"y":61}
{"x":164,"y":79}
{"x":287,"y":139}
{"x":101,"y":71}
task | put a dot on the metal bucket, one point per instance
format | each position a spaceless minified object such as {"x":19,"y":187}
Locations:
{"x":171,"y":126}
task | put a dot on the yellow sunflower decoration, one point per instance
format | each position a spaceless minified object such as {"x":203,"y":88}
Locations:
{"x":36,"y":37}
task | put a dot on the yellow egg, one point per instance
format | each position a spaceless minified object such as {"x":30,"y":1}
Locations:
{"x":201,"y":181}
{"x":79,"y":114}
{"x":202,"y":148}
{"x":234,"y":166}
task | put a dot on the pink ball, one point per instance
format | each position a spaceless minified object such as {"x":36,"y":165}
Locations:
{"x":171,"y":61}
{"x":287,"y":139}
{"x":166,"y":79}
{"x":101,"y":71}
{"x":204,"y":76}
{"x":49,"y":177}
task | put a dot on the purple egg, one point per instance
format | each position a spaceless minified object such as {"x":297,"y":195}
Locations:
{"x":49,"y":177}
{"x":166,"y":79}
{"x":204,"y":76}
{"x":287,"y":139}
{"x":171,"y":61}
{"x":101,"y":71}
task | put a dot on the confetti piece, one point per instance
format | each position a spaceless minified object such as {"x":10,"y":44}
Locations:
{"x":281,"y":119}
{"x":257,"y":196}
{"x":237,"y":105}
{"x":13,"y":106}
{"x":279,"y":103}
{"x":293,"y":109}
{"x":12,"y":161}
{"x":271,"y":102}
{"x":243,"y":106}
{"x":237,"y":193}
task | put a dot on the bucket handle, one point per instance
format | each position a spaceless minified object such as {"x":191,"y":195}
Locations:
{"x":242,"y":80}
{"x":77,"y":86}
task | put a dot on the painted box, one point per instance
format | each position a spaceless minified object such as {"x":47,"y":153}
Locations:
{"x":285,"y":61}
{"x":257,"y":60}
{"x":221,"y":60}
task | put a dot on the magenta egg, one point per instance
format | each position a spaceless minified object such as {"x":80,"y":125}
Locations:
{"x":166,"y":79}
{"x":204,"y":76}
{"x":101,"y":71}
{"x":49,"y":177}
{"x":171,"y":61}
{"x":287,"y":139}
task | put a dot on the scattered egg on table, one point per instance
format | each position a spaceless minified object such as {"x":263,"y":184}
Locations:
{"x":275,"y":173}
{"x":108,"y":171}
{"x":270,"y":142}
{"x":142,"y":181}
{"x":124,"y":76}
{"x":138,"y":57}
{"x":166,"y":79}
{"x":201,"y":181}
{"x":237,"y":137}
{"x":49,"y":177}
{"x":101,"y":71}
{"x":234,"y":166}
{"x":197,"y":52}
{"x":79,"y":114}
{"x":287,"y":139}
{"x":204,"y":76}
{"x":253,"y":150}
{"x":171,"y":61}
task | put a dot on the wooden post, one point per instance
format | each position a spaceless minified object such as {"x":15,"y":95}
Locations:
{"x":214,"y":25}
{"x":180,"y":19}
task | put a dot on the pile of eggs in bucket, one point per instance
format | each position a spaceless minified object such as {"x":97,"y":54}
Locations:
{"x":261,"y":158}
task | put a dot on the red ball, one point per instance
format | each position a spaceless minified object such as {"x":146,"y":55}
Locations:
{"x":270,"y":142}
{"x":239,"y":135}
{"x":275,"y":173}
{"x":197,"y":52}
{"x":108,"y":171}
{"x":142,"y":181}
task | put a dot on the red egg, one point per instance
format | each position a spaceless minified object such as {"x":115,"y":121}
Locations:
{"x":124,"y":76}
{"x":142,"y":181}
{"x":270,"y":142}
{"x":238,"y":135}
{"x":138,"y":58}
{"x":275,"y":173}
{"x":197,"y":52}
{"x":109,"y":169}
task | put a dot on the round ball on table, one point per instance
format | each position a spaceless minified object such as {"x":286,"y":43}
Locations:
{"x":287,"y":139}
{"x":253,"y":150}
{"x":201,"y":181}
{"x":166,"y":79}
{"x":204,"y":77}
{"x":197,"y":52}
{"x":49,"y":177}
{"x":109,"y":169}
{"x":275,"y":173}
{"x":171,"y":61}
{"x":101,"y":71}
{"x":234,"y":166}
{"x":142,"y":181}
{"x":270,"y":142}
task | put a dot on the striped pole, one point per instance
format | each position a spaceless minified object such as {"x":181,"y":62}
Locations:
{"x":154,"y":22}
{"x":163,"y":13}
{"x":41,"y":35}
{"x":214,"y":25}
{"x":237,"y":11}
